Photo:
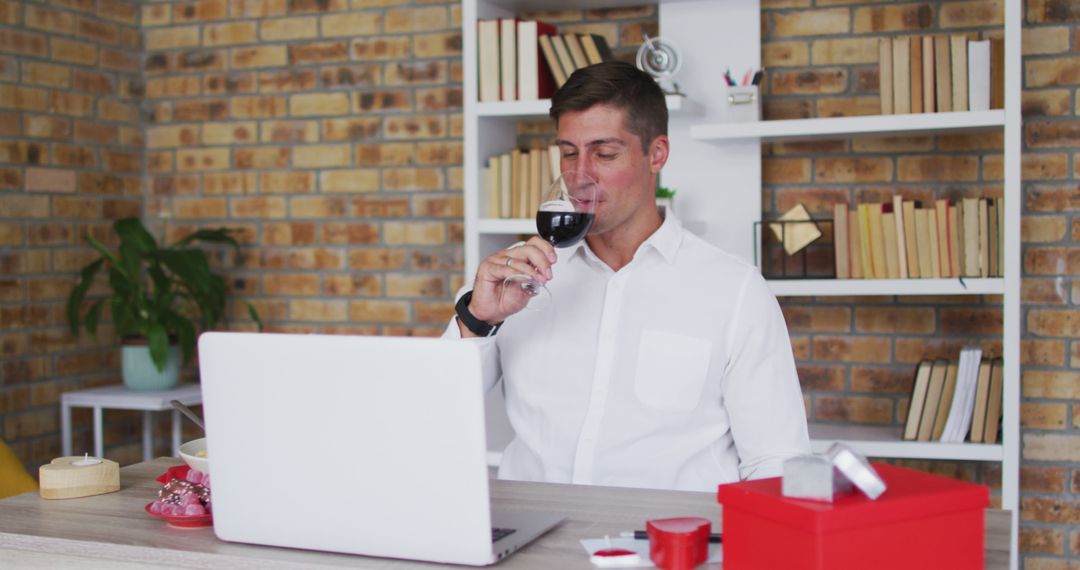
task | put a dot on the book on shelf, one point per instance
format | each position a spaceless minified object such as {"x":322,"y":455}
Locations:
{"x":958,"y":424}
{"x":840,"y":242}
{"x":978,"y":75}
{"x":994,"y":401}
{"x":923,"y":231}
{"x":877,"y":241}
{"x":890,"y":241}
{"x":545,"y":175}
{"x":982,"y":393}
{"x":915,"y":72}
{"x":563,"y":54}
{"x":901,"y":243}
{"x":984,"y":239}
{"x":958,"y":54}
{"x":993,"y":242}
{"x":943,"y":74}
{"x":941,"y":220}
{"x":863,"y":237}
{"x":515,"y":183}
{"x":555,"y":161}
{"x":929,"y":89}
{"x":596,"y":48}
{"x":932,"y":243}
{"x":885,"y":75}
{"x":1000,"y":236}
{"x":947,"y":392}
{"x":508,"y":60}
{"x":901,"y":68}
{"x":535,"y":176}
{"x":971,"y":236}
{"x":506,"y":178}
{"x":956,"y":245}
{"x":854,"y":246}
{"x":490,"y":177}
{"x":911,"y":243}
{"x":487,"y":51}
{"x":918,"y":399}
{"x":535,"y":78}
{"x":997,"y":73}
{"x":547,"y":49}
{"x":932,"y":400}
{"x":577,"y":53}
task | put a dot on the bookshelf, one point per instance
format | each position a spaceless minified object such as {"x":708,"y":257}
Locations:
{"x":716,"y":168}
{"x":879,"y":441}
{"x":862,"y":287}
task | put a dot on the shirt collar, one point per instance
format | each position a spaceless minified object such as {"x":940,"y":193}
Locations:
{"x":665,"y":240}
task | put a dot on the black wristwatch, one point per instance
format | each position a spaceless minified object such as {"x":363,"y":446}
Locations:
{"x":478,"y":327}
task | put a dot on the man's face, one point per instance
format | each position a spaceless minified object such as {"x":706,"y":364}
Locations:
{"x":597,"y":142}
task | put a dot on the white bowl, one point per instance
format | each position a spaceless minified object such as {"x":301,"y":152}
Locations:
{"x":189,"y":453}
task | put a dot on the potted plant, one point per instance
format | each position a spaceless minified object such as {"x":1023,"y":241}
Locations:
{"x":665,"y":197}
{"x":158,"y":293}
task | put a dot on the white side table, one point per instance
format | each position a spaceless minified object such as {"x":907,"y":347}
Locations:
{"x":119,"y":397}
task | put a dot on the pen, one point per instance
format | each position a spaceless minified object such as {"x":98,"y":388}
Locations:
{"x":746,"y":78}
{"x":757,"y":77}
{"x":714,"y":537}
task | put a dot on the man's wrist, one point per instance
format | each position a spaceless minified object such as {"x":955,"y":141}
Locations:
{"x":474,"y":324}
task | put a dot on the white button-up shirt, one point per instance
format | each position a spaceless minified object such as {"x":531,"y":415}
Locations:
{"x":674,"y":372}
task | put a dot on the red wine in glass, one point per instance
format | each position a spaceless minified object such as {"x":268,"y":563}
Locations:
{"x":563,"y":229}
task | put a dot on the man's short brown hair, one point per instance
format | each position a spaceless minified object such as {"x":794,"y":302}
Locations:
{"x":620,"y":85}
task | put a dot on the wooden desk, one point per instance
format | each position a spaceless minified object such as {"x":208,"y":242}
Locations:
{"x":108,"y":530}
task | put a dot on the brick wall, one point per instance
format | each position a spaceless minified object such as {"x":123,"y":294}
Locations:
{"x":71,"y":153}
{"x":331,"y":131}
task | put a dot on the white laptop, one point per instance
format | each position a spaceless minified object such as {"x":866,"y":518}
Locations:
{"x":362,"y":445}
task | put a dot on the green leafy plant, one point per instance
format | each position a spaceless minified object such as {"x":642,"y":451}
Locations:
{"x":158,"y":292}
{"x":664,"y":192}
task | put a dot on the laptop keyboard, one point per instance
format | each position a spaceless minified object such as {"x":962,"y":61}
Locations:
{"x":498,"y":534}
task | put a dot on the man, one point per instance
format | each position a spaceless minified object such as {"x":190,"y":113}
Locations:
{"x":661,"y":361}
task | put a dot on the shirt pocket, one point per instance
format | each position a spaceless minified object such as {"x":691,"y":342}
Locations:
{"x":671,"y":370}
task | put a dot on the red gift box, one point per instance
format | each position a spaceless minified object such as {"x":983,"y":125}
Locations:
{"x":921,"y":521}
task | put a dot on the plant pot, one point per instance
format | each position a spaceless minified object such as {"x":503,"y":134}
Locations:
{"x":665,"y":204}
{"x":139,"y":371}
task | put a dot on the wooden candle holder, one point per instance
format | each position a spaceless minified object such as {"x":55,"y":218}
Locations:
{"x":64,"y":479}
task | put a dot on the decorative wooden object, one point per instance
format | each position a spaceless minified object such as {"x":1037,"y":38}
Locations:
{"x":71,"y":477}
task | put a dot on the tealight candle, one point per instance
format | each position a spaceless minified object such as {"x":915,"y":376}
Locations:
{"x":86,"y":460}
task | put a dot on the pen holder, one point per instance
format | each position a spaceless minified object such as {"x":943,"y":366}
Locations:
{"x":743,"y":103}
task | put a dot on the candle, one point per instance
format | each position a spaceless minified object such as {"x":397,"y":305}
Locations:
{"x":86,"y":460}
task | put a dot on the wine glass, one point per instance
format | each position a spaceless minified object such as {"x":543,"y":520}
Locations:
{"x":564,"y":216}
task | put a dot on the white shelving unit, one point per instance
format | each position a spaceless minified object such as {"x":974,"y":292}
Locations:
{"x":716,"y":166}
{"x":803,"y":129}
{"x":876,"y":441}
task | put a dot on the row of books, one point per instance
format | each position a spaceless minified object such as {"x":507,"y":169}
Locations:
{"x":526,"y":60}
{"x":513,"y":181}
{"x":902,"y":239}
{"x":956,"y":402}
{"x":928,"y":74}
